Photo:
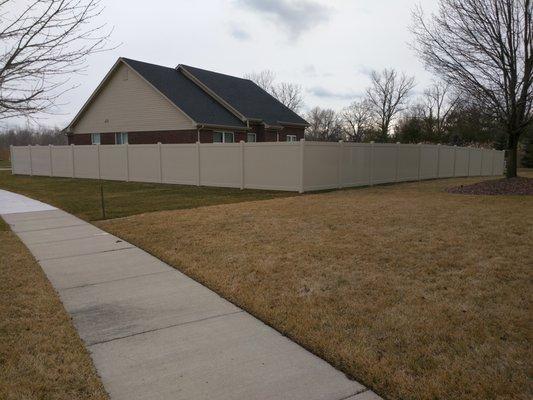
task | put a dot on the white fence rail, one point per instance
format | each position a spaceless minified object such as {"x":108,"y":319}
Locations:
{"x":298,"y":166}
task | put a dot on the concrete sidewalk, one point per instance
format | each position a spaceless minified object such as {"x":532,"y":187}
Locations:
{"x":154,"y":333}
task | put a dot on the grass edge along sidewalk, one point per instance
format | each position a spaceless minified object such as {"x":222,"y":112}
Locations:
{"x":413,"y":291}
{"x":41,"y":354}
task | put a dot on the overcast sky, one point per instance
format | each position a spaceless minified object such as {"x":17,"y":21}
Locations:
{"x":328,"y":47}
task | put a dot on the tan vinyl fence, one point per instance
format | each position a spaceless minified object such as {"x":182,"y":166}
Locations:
{"x":293,"y":166}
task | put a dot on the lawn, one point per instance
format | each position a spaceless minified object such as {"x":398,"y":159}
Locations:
{"x":41,"y":355}
{"x":415,"y":292}
{"x":82,"y":196}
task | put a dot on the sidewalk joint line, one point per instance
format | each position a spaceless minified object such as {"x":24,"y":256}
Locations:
{"x":70,"y":239}
{"x":113,"y":280}
{"x":46,"y":229}
{"x":365,"y":389}
{"x":165,"y":327}
{"x":85,"y":254}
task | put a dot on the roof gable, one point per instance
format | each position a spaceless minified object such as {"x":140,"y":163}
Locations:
{"x":246,"y":97}
{"x":185,"y":94}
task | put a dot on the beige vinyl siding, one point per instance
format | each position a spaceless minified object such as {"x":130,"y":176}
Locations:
{"x":127,"y":103}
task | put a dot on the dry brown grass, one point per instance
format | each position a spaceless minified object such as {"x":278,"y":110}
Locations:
{"x":416,"y":292}
{"x":41,"y":356}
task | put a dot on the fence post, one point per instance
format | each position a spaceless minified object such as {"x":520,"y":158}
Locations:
{"x":493,"y":161}
{"x":302,"y":172}
{"x":454,"y":158}
{"x":339,"y":164}
{"x":371,"y":169}
{"x":51,"y":163}
{"x":160,"y":162}
{"x":241,"y":148}
{"x":73,"y":162}
{"x":198,"y":175}
{"x":11,"y":160}
{"x":98,"y":161}
{"x":31,"y":161}
{"x":438,"y":160}
{"x":419,"y":160}
{"x":127,"y":146}
{"x":468,"y":162}
{"x":396,"y":177}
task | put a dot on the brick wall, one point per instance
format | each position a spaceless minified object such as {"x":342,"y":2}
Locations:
{"x":187,"y":136}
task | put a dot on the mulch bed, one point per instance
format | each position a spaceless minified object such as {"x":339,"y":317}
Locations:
{"x":519,"y":185}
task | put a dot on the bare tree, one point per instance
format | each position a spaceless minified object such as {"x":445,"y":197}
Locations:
{"x":264,"y":79}
{"x":43,"y":42}
{"x":357,"y":118}
{"x":485,"y":48}
{"x":288,"y":94}
{"x":324,"y":125}
{"x":439,"y":101}
{"x":388,"y":94}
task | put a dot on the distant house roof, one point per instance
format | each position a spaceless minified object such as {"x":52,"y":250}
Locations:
{"x":209,"y":98}
{"x":246,"y":97}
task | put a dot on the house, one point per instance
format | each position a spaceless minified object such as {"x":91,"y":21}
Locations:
{"x":142,"y":103}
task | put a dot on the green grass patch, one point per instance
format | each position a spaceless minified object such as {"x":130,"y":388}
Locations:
{"x":5,"y":164}
{"x":82,"y":196}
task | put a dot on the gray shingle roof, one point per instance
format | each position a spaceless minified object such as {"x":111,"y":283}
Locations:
{"x":185,"y":94}
{"x":246,"y":97}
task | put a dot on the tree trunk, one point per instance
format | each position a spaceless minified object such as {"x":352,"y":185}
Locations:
{"x":512,"y":156}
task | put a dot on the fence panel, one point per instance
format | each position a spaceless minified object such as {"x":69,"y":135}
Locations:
{"x":114,"y":162}
{"x":384,"y":163}
{"x":144,"y":163}
{"x":179,"y":163}
{"x":474,"y":165}
{"x":487,"y":157}
{"x":40,"y":160}
{"x":62,"y":161}
{"x":408,"y":162}
{"x":428,"y":162}
{"x":85,"y":161}
{"x":446,"y":161}
{"x":355,"y":165}
{"x":220,"y":165}
{"x":20,"y":160}
{"x":321,"y":169}
{"x":499,"y":163}
{"x":262,"y":172}
{"x":461,"y":161}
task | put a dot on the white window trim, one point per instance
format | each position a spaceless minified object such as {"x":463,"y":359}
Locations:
{"x":98,"y":135}
{"x":291,"y":138}
{"x":223,"y":133}
{"x":254,"y":135}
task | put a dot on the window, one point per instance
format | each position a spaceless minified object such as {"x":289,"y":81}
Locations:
{"x":291,"y":138}
{"x":251,"y":137}
{"x":95,"y":138}
{"x":223,"y":137}
{"x":121,"y":138}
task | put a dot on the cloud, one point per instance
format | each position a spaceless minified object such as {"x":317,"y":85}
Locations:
{"x":322,"y":92}
{"x":239,"y":33}
{"x":364,"y":69}
{"x":296,"y":16}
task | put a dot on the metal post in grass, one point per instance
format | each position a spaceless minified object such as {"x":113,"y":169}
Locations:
{"x":102,"y":201}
